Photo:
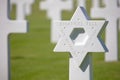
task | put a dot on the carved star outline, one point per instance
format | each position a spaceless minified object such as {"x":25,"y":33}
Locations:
{"x":88,"y":40}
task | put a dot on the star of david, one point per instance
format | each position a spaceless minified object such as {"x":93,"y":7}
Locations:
{"x":80,"y":35}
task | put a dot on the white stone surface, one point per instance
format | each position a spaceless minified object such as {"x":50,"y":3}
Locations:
{"x":77,"y":73}
{"x":110,"y":12}
{"x":6,"y":27}
{"x":82,"y":3}
{"x":96,"y":3}
{"x":23,"y":8}
{"x":54,"y":10}
{"x":80,"y":36}
{"x":28,"y":7}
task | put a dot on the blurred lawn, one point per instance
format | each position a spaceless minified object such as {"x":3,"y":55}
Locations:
{"x":32,"y":56}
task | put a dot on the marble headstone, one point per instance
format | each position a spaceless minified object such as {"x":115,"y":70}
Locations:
{"x":110,"y":12}
{"x":54,"y":10}
{"x":79,"y":36}
{"x":7,"y":27}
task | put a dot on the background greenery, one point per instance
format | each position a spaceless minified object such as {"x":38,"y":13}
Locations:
{"x":32,"y":56}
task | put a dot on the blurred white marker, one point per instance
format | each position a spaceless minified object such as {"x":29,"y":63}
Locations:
{"x":110,"y":12}
{"x":54,"y":9}
{"x":6,"y":27}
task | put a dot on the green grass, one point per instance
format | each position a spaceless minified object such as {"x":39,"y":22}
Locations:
{"x":32,"y":56}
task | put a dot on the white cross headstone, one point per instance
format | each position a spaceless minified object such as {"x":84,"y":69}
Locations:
{"x":80,"y":36}
{"x":110,"y":12}
{"x":6,"y":27}
{"x":23,"y":8}
{"x":54,"y":9}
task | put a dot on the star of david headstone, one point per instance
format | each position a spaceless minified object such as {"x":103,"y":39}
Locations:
{"x":80,"y":36}
{"x":110,"y":12}
{"x":54,"y":9}
{"x":23,"y":8}
{"x":6,"y":27}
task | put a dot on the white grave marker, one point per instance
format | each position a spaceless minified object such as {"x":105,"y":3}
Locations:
{"x":54,"y":9}
{"x":110,"y":12}
{"x":80,"y":36}
{"x":6,"y":27}
{"x":23,"y":8}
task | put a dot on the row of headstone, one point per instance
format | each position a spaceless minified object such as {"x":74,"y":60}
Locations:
{"x":7,"y":26}
{"x":110,"y":12}
{"x":76,"y":40}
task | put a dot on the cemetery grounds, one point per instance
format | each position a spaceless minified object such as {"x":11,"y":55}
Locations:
{"x":32,"y":56}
